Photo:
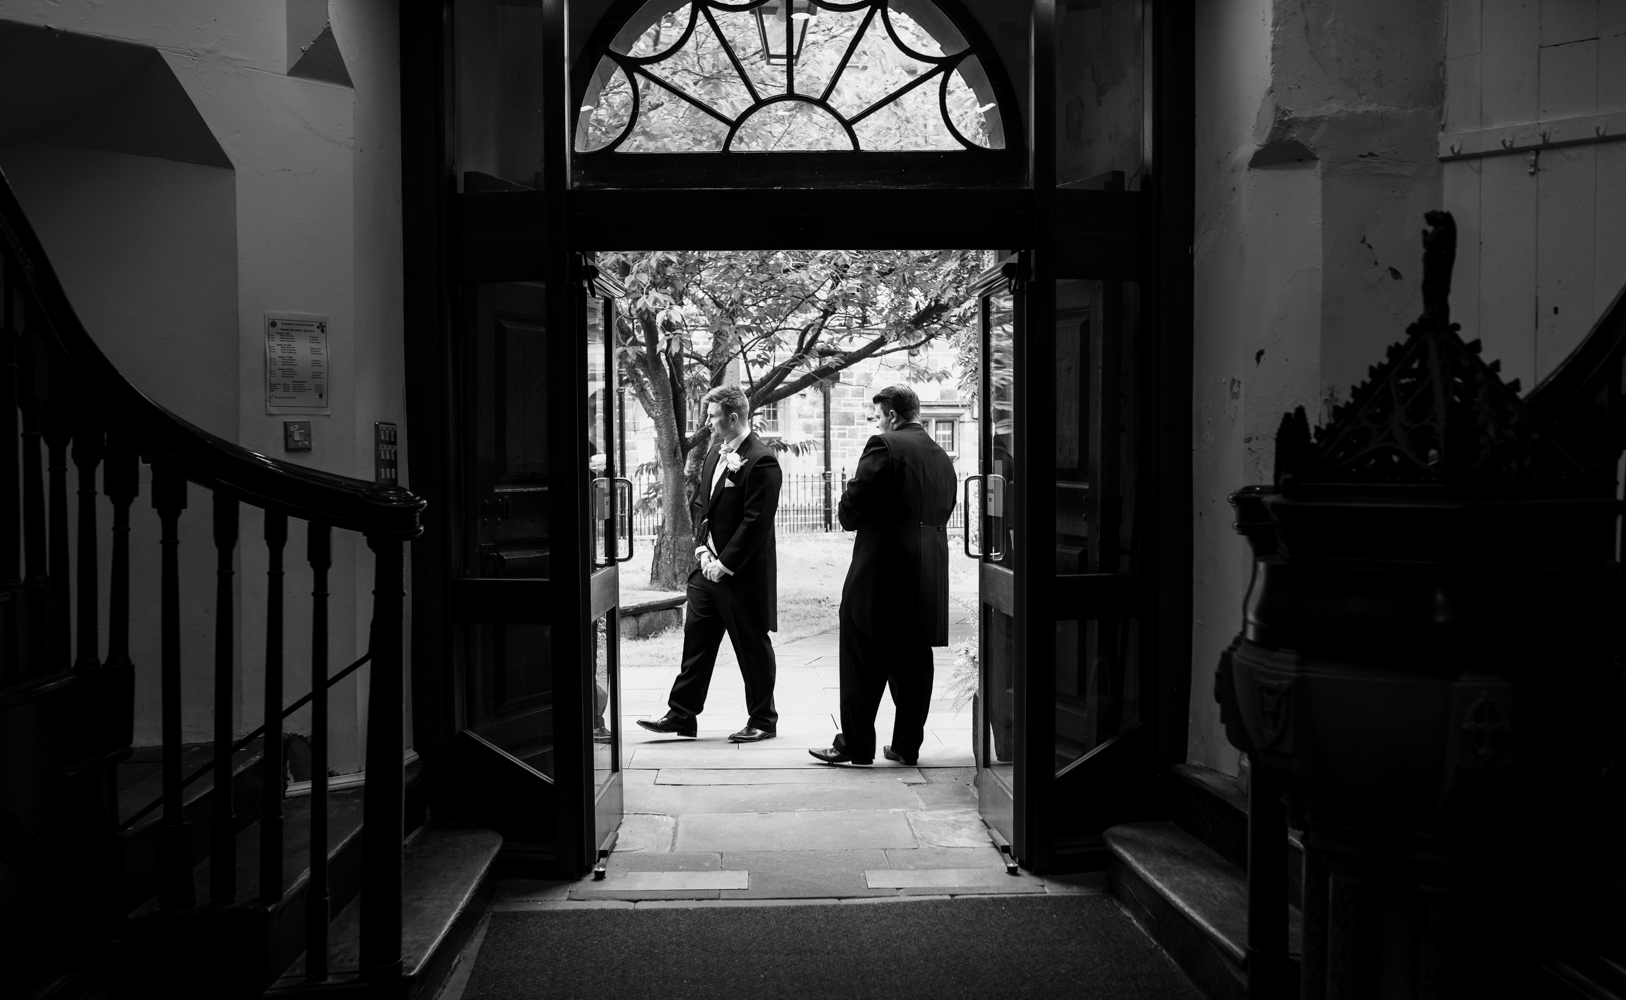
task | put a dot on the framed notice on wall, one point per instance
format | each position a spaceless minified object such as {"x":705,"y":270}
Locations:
{"x":296,"y":364}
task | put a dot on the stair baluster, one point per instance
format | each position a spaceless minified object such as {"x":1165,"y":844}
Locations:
{"x":36,"y":583}
{"x":11,"y":582}
{"x":87,"y":455}
{"x":384,"y":810}
{"x":56,"y":422}
{"x":122,"y":480}
{"x":175,"y":845}
{"x":319,"y":553}
{"x":223,"y":817}
{"x":273,"y":766}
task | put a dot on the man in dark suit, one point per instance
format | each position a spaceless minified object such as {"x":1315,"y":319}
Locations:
{"x":736,"y":587}
{"x":894,"y":606}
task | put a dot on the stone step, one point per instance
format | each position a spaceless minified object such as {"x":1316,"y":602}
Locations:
{"x":1215,"y":810}
{"x":1191,"y":901}
{"x":447,"y":888}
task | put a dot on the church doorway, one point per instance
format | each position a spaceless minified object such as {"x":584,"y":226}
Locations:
{"x":544,"y":162}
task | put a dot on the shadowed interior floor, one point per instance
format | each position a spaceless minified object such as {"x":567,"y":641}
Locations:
{"x":1009,"y":947}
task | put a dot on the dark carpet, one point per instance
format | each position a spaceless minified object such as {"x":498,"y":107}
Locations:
{"x":1004,"y":947}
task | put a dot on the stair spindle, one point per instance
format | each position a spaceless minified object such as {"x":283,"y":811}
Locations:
{"x":87,"y":455}
{"x":122,"y":480}
{"x":57,"y":424}
{"x":175,"y":845}
{"x":318,"y":901}
{"x":223,"y":817}
{"x":11,"y":581}
{"x":36,"y":581}
{"x":383,"y":808}
{"x":272,"y":766}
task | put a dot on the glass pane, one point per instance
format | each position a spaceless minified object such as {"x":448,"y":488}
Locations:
{"x":505,"y":472}
{"x":716,"y":65}
{"x":1097,"y":684}
{"x":606,"y":721}
{"x":1002,"y":503}
{"x":1072,"y":432}
{"x":600,"y":434}
{"x":507,"y":466}
{"x":998,"y":743}
{"x":511,"y":695}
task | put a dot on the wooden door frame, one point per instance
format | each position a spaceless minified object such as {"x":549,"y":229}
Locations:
{"x":446,"y":235}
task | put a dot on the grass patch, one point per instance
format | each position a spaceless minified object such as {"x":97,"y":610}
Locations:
{"x":812,"y":569}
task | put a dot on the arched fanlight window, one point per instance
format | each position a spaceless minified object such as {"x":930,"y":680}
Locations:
{"x":790,"y":75}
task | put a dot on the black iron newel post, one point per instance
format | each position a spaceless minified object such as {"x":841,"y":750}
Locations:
{"x":1427,"y":669}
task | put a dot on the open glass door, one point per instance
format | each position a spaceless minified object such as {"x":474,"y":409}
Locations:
{"x":1058,"y":750}
{"x":609,"y":517}
{"x":536,"y":607}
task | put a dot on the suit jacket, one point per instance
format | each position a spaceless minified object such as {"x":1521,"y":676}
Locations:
{"x":738,"y":515}
{"x":899,"y":501}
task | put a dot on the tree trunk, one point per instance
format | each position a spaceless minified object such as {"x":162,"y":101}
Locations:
{"x":674,"y":540}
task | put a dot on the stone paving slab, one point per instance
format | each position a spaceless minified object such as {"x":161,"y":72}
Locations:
{"x":836,"y":830}
{"x":645,"y":832}
{"x":674,"y":800}
{"x":786,"y":776}
{"x":667,"y":881}
{"x":951,"y":879}
{"x":673,"y":861}
{"x":986,"y":856}
{"x":949,"y":828}
{"x":805,"y":874}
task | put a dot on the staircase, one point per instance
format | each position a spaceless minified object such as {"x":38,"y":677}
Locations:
{"x":188,"y":869}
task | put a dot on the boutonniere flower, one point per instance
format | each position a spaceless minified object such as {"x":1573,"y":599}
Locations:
{"x":735,"y":462}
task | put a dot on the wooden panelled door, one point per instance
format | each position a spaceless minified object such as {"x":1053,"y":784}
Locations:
{"x":534,"y":609}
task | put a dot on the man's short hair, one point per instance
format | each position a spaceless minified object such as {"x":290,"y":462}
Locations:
{"x":731,"y":399}
{"x":899,"y":399}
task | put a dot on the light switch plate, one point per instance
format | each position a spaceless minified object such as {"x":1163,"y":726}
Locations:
{"x":296,"y":435}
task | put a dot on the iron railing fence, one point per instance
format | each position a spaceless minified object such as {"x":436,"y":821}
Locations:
{"x":807,"y":505}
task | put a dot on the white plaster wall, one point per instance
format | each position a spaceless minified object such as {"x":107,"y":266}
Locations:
{"x":315,"y":203}
{"x":1316,"y":125}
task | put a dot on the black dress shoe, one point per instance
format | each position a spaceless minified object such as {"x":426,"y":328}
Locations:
{"x":752,"y":735}
{"x":892,"y":754}
{"x":835,"y":756}
{"x":667,"y":724}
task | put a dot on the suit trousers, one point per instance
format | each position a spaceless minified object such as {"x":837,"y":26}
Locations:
{"x":869,"y":665}
{"x":713,"y":610}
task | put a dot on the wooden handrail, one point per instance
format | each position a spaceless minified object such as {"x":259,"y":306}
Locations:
{"x":210,"y":461}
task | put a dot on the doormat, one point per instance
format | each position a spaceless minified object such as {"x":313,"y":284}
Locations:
{"x":1054,"y":946}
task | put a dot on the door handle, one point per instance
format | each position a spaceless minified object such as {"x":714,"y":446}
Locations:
{"x":623,"y":519}
{"x":993,"y":503}
{"x":970,"y":521}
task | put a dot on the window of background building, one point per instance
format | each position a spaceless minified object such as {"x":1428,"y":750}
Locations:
{"x":943,"y":430}
{"x":768,"y":418}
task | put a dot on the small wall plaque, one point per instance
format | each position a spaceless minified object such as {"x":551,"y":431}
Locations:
{"x":297,"y":379}
{"x":296,"y":435}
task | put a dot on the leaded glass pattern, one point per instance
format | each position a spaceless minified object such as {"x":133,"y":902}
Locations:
{"x":711,"y":76}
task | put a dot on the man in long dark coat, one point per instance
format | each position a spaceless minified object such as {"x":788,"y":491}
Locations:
{"x":736,"y":587}
{"x":894,"y":606}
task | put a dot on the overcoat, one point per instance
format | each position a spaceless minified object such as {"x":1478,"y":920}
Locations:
{"x":899,"y":502}
{"x":738,"y":517}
